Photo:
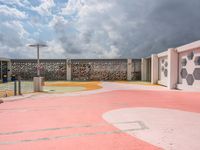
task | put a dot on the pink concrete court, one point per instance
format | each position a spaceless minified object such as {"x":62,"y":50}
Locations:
{"x":118,"y":116}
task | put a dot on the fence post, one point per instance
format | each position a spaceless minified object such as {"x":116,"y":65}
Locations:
{"x":19,"y":86}
{"x":129,"y":69}
{"x":68,"y":70}
{"x":15,"y":88}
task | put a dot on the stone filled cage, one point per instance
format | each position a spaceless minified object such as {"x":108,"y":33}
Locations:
{"x":3,"y":68}
{"x":51,"y":69}
{"x":81,"y":69}
{"x":99,"y":69}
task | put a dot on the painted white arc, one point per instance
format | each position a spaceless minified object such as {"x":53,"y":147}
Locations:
{"x":167,"y":128}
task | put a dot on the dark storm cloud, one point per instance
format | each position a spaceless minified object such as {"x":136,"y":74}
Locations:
{"x":167,"y":24}
{"x":134,"y":28}
{"x":66,"y":39}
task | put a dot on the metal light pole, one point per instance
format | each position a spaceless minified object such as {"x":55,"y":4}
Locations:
{"x":38,"y":55}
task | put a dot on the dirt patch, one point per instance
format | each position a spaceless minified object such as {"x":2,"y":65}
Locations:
{"x":86,"y":85}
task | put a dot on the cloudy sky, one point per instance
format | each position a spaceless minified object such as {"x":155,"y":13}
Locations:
{"x":96,"y":28}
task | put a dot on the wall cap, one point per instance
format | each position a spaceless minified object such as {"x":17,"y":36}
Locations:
{"x":187,"y":47}
{"x":163,"y":54}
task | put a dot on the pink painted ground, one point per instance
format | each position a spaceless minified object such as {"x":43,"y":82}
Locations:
{"x":75,"y":122}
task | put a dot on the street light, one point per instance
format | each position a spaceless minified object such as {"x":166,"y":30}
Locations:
{"x":38,"y":55}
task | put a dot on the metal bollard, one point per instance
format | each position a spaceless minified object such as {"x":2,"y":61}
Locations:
{"x":15,"y":88}
{"x":19,"y":86}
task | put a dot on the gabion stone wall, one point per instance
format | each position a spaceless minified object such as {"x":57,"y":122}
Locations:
{"x":81,"y":69}
{"x":97,"y":69}
{"x":50,"y":69}
{"x":54,"y":69}
{"x":24,"y":68}
{"x":3,"y":68}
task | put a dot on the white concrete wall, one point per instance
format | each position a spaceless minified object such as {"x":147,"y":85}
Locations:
{"x":172,"y":68}
{"x":183,"y":67}
{"x":144,"y":69}
{"x":163,"y":70}
{"x":154,"y":69}
{"x":189,"y":69}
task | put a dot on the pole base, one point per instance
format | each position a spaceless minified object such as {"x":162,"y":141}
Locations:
{"x":38,"y":83}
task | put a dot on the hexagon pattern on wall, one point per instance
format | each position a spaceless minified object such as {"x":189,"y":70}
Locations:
{"x":166,"y":64}
{"x":190,"y":79}
{"x":184,"y":73}
{"x":190,"y":55}
{"x":197,"y":60}
{"x":196,"y":73}
{"x":184,"y":62}
{"x":166,"y":72}
{"x":193,"y":60}
{"x":163,"y":68}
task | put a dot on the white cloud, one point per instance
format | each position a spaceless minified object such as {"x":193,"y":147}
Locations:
{"x":112,"y":53}
{"x":72,"y":6}
{"x":93,"y":33}
{"x":45,"y":7}
{"x":13,"y":40}
{"x":18,"y":28}
{"x":54,"y":50}
{"x":13,"y":35}
{"x":57,"y":19}
{"x":22,"y":3}
{"x":136,"y":28}
{"x":12,"y":12}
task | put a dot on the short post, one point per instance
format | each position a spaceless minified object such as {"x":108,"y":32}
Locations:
{"x":15,"y":88}
{"x":19,"y":86}
{"x":38,"y":84}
